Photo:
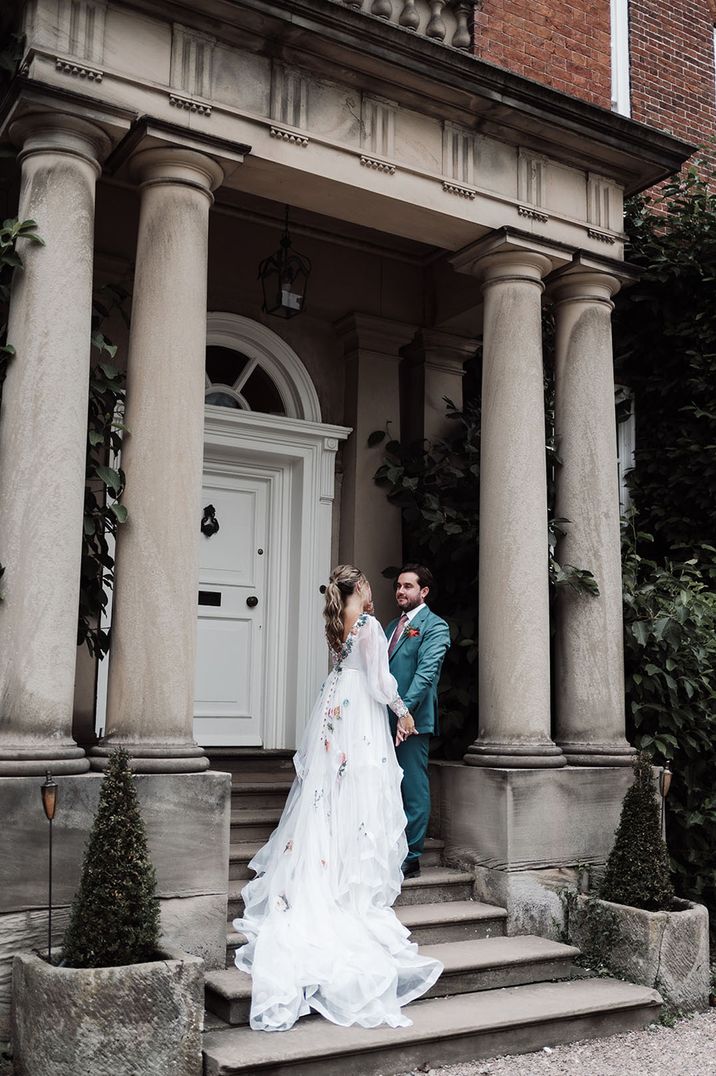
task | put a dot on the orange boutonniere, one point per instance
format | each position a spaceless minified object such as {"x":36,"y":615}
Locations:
{"x":412,"y":633}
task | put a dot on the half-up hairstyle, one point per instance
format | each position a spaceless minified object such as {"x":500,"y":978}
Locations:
{"x":342,"y":583}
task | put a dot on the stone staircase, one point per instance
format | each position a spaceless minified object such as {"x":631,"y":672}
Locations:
{"x":497,"y":994}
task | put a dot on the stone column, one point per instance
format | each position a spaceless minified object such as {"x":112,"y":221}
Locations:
{"x":589,"y":659}
{"x":43,"y":435}
{"x":433,"y":369}
{"x":370,"y":531}
{"x":153,"y":654}
{"x":514,"y":680}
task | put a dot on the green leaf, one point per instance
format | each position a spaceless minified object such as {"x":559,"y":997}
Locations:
{"x":111,"y":478}
{"x":120,"y":511}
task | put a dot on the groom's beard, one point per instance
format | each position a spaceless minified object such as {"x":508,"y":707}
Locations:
{"x":408,"y":606}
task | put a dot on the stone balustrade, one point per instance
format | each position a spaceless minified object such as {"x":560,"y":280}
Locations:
{"x":446,"y":21}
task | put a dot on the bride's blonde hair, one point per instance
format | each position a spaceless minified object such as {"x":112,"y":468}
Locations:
{"x":343,"y":581}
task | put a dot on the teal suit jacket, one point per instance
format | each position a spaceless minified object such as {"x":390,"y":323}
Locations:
{"x":416,"y":663}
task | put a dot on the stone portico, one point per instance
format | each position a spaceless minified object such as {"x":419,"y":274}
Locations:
{"x":442,"y":201}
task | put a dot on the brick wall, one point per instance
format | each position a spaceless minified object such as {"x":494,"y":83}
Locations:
{"x":672,"y":66}
{"x":565,"y":44}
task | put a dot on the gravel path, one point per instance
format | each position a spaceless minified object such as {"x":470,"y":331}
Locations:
{"x":688,"y":1049}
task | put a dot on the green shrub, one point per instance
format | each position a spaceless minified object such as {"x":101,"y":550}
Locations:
{"x":114,"y":917}
{"x":637,"y":871}
{"x":665,"y":349}
{"x":670,"y":664}
{"x":436,"y":485}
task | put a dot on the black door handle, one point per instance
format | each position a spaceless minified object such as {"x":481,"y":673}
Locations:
{"x":252,"y":602}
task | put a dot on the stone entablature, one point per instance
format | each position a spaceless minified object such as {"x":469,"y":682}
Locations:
{"x":453,"y":181}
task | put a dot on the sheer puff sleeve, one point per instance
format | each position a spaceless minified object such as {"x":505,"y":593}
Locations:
{"x":373,"y":650}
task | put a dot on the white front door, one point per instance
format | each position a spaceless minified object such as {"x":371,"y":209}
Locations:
{"x":232,"y":605}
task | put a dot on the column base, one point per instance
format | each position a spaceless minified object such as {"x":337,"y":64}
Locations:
{"x":506,"y":755}
{"x":152,"y":758}
{"x":527,"y":834}
{"x":20,"y":760}
{"x":617,"y":753}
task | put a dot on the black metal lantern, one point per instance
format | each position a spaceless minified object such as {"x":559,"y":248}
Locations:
{"x":284,"y":279}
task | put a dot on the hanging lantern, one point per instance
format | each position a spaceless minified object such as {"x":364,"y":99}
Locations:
{"x":284,"y":279}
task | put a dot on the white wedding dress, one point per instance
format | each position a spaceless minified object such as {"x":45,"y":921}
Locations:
{"x":321,"y":931}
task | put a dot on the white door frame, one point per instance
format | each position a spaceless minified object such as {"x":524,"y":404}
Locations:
{"x":298,"y":458}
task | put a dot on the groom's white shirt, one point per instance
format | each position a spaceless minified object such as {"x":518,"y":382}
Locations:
{"x":410,"y":615}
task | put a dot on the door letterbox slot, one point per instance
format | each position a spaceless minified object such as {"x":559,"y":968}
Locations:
{"x":209,"y":597}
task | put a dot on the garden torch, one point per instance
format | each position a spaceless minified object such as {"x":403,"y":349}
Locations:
{"x":49,"y":802}
{"x":664,"y":786}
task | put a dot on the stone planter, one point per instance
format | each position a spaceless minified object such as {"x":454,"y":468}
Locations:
{"x":135,"y":1019}
{"x":668,"y":951}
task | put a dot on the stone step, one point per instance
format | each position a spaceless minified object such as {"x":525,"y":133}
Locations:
{"x":241,"y":852}
{"x":251,"y":760}
{"x":435,"y":884}
{"x":518,"y":1019}
{"x":452,"y":921}
{"x":429,"y":924}
{"x":470,"y":966}
{"x":258,"y":794}
{"x":253,"y":824}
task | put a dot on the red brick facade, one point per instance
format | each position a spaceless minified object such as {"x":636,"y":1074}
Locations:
{"x":672,"y":66}
{"x":565,"y":44}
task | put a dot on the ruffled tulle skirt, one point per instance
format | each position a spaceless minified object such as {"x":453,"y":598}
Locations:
{"x":321,"y":931}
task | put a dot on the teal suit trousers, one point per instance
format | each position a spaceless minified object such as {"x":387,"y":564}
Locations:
{"x":415,"y":663}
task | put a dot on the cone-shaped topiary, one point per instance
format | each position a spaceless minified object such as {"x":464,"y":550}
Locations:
{"x":114,"y":917}
{"x":637,"y":871}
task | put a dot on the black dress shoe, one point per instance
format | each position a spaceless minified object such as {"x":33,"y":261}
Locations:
{"x":411,"y":870}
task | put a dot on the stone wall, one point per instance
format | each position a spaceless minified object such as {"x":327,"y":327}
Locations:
{"x":187,"y":818}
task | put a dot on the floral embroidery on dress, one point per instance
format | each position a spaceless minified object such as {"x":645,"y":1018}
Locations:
{"x":289,"y":846}
{"x":338,"y":657}
{"x":280,"y":904}
{"x":342,"y":762}
{"x":317,"y":796}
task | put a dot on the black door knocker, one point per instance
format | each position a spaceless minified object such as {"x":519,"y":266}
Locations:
{"x":209,"y":522}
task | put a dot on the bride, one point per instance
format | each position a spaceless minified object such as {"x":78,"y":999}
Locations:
{"x":321,"y":931}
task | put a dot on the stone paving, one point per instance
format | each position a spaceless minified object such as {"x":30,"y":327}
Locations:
{"x":687,"y":1049}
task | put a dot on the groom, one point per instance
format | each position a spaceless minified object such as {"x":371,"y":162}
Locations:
{"x":417,"y":643}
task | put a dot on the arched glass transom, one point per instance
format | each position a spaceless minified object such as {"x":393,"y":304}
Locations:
{"x":236,"y":380}
{"x":250,"y":368}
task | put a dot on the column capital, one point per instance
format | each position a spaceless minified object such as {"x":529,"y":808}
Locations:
{"x":441,"y":350}
{"x":501,"y":267}
{"x":584,"y":286}
{"x":529,"y":256}
{"x":62,"y":133}
{"x":365,"y":332}
{"x":168,"y":165}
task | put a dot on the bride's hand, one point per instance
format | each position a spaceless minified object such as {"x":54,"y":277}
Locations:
{"x":406,"y":727}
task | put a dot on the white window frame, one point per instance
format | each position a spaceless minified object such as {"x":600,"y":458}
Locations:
{"x":626,"y":445}
{"x":621,"y":74}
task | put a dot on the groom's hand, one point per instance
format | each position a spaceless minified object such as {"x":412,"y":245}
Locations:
{"x":406,"y":727}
